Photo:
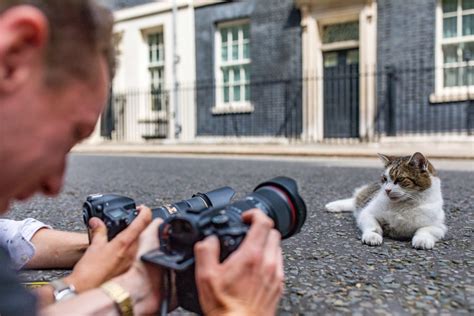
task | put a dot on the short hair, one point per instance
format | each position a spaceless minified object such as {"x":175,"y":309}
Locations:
{"x":78,"y":30}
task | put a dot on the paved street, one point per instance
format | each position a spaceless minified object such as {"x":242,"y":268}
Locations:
{"x":328,"y":270}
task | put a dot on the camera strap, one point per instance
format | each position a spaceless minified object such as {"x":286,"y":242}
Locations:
{"x":166,"y":291}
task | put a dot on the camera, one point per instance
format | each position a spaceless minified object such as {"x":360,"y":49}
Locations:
{"x":117,"y":212}
{"x":278,"y":198}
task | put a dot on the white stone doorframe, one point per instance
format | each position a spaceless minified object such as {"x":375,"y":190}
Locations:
{"x":314,"y":15}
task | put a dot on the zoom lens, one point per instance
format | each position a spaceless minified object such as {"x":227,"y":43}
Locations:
{"x":283,"y":204}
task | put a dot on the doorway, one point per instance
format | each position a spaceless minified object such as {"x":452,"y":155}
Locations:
{"x":341,"y":93}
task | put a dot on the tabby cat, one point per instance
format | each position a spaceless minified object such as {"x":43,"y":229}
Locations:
{"x":406,"y":204}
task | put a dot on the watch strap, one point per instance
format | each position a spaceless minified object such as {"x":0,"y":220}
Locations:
{"x":120,"y":296}
{"x":62,"y":290}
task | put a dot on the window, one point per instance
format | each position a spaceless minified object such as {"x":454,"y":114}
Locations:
{"x":156,"y":68}
{"x":233,"y":67}
{"x":457,"y":43}
{"x":341,"y":32}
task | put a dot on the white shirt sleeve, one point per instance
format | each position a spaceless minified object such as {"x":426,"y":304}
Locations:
{"x":15,"y":237}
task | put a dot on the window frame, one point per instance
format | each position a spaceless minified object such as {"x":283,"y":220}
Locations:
{"x":456,"y":93}
{"x":242,"y":106}
{"x":157,"y":66}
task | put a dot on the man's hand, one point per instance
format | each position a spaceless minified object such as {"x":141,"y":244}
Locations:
{"x":143,"y":280}
{"x":104,"y":260}
{"x":250,"y":280}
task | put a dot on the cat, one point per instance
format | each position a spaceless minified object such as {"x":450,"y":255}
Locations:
{"x":406,"y":204}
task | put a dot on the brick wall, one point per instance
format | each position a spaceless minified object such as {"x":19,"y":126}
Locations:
{"x":275,"y":51}
{"x":406,"y":41}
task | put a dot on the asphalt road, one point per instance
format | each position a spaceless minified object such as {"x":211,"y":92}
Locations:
{"x":327,"y":268}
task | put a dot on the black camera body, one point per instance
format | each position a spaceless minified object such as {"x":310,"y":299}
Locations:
{"x":117,"y":212}
{"x":278,"y":198}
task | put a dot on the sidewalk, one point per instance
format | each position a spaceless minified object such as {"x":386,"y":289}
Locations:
{"x":445,"y":150}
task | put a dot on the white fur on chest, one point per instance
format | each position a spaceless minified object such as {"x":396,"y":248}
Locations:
{"x":402,"y":219}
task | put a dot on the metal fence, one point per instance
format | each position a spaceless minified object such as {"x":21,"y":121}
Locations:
{"x":405,"y":104}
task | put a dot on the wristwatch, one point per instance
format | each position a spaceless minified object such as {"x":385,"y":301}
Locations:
{"x":62,"y":290}
{"x":120,"y":296}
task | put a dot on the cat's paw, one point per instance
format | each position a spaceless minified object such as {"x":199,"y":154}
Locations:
{"x":423,"y":242}
{"x":333,"y":207}
{"x":372,"y":239}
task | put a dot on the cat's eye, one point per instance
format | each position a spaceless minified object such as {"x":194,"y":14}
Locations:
{"x":403,"y":181}
{"x":384,"y":179}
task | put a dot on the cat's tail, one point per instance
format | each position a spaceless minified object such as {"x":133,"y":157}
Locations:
{"x":346,"y":205}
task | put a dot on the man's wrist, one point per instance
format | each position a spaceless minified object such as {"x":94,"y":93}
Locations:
{"x":72,"y":280}
{"x":62,"y":290}
{"x":120,"y":296}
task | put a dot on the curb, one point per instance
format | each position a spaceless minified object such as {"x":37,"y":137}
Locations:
{"x":276,"y":151}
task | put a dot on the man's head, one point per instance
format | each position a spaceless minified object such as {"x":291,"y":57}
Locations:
{"x":55,"y":69}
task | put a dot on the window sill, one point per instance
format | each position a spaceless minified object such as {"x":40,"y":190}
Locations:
{"x":451,"y":96}
{"x":153,"y":117}
{"x":233,"y":108}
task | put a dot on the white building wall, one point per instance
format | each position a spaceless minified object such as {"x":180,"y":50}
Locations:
{"x":132,"y":76}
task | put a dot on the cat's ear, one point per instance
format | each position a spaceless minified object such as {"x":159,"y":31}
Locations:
{"x":386,"y":159}
{"x":419,"y":161}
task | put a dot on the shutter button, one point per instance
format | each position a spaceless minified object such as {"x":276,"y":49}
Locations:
{"x":220,"y":220}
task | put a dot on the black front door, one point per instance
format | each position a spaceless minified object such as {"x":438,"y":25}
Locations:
{"x":341,"y":94}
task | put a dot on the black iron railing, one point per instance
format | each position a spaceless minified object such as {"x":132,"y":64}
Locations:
{"x":404,"y":103}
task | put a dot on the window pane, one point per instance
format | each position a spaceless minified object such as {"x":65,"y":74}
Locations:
{"x":330,"y":59}
{"x":226,"y":75}
{"x":467,"y":4}
{"x":155,"y":47}
{"x":235,"y":52}
{"x":450,"y":5}
{"x":352,"y":57}
{"x":246,"y":71}
{"x":470,"y":75}
{"x":224,"y":35}
{"x":246,"y":30}
{"x":451,"y":76}
{"x":450,"y":53}
{"x":226,"y":94}
{"x":468,"y":51}
{"x":224,"y":54}
{"x":246,"y":50}
{"x":247,"y":92}
{"x":237,"y":93}
{"x":449,"y":27}
{"x":235,"y":34}
{"x":468,"y":24}
{"x":341,"y":32}
{"x":236,"y":75}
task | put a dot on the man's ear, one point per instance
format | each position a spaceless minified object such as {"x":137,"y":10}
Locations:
{"x":24,"y":37}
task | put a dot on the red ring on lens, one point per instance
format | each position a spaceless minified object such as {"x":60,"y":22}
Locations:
{"x":292,"y":207}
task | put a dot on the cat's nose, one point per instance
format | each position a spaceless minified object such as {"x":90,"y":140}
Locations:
{"x":388,"y":191}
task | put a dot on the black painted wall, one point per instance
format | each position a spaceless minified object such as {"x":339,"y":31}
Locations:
{"x":275,"y":51}
{"x":120,"y":4}
{"x":406,"y":41}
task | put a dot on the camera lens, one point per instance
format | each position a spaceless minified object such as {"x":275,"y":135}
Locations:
{"x":86,"y":213}
{"x":283,"y":204}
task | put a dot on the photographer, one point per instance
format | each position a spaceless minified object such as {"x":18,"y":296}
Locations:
{"x":55,"y":70}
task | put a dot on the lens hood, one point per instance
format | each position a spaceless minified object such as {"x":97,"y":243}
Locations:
{"x":290,"y":188}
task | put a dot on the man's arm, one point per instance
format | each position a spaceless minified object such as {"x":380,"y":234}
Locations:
{"x":57,"y":249}
{"x":142,"y":282}
{"x":103,"y":259}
